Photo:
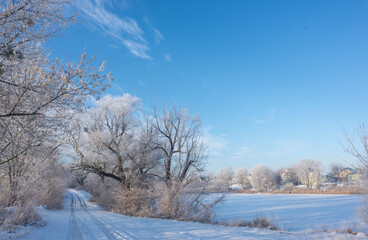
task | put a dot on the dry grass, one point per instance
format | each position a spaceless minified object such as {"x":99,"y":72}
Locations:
{"x":247,"y":191}
{"x":343,"y":191}
{"x":340,"y":190}
{"x":257,"y":222}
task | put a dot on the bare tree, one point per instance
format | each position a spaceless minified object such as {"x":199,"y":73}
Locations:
{"x":287,"y":176}
{"x":241,"y":177}
{"x":106,"y":141}
{"x":335,"y":169}
{"x":225,"y":178}
{"x":25,"y":22}
{"x":263,"y":178}
{"x":180,"y":142}
{"x":278,"y":174}
{"x":37,"y":94}
{"x":155,"y":160}
{"x":308,"y":172}
{"x":41,"y":96}
{"x":357,"y":146}
{"x":34,"y":179}
{"x":33,"y":88}
{"x":179,"y":139}
{"x":111,"y":141}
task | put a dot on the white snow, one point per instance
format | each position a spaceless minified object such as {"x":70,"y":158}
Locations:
{"x":293,"y":211}
{"x":81,"y":219}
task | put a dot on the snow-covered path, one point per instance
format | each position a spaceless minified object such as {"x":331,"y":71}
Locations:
{"x":83,"y":220}
{"x":88,"y":223}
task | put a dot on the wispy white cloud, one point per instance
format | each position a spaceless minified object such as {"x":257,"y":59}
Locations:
{"x":242,"y":152}
{"x":268,"y":118}
{"x":286,"y":148}
{"x":142,"y":83}
{"x":158,"y":36}
{"x":216,"y":144}
{"x":125,"y":30}
{"x":167,"y":57}
{"x":116,"y":88}
{"x":137,"y":48}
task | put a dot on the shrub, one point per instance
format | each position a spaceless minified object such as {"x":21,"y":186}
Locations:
{"x":25,"y":215}
{"x":134,"y":202}
{"x":257,"y":222}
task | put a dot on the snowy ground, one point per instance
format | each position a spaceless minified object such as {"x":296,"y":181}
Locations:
{"x":83,"y":220}
{"x":294,"y":212}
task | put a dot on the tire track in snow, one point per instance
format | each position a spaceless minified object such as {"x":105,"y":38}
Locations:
{"x":74,"y":232}
{"x":111,"y":232}
{"x":118,"y":230}
{"x":79,"y":229}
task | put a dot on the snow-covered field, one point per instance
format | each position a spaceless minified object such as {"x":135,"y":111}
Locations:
{"x":81,"y":219}
{"x":294,"y":212}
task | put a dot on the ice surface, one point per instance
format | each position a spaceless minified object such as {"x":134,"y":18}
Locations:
{"x":294,"y":211}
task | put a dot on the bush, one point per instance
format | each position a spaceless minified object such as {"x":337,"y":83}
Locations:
{"x":134,"y":202}
{"x":31,"y":183}
{"x":101,"y":191}
{"x":26,"y":215}
{"x":257,"y":222}
{"x":51,"y":192}
{"x":185,"y":203}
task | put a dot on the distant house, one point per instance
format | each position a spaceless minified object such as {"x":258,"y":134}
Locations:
{"x":349,"y":175}
{"x":359,"y":171}
{"x":250,"y":178}
{"x":289,"y":176}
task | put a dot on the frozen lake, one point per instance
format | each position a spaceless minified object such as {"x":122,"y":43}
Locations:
{"x":80,"y":219}
{"x":293,"y":212}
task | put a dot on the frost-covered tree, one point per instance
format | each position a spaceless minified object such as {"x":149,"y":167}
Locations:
{"x":308,"y":172}
{"x":34,"y":179}
{"x":155,"y":160}
{"x":28,"y":22}
{"x":224,"y":178}
{"x":35,"y":99}
{"x":278,"y":174}
{"x":263,"y":178}
{"x":112,"y":142}
{"x":357,"y":146}
{"x":179,"y":140}
{"x":37,"y":92}
{"x":107,"y":140}
{"x":241,"y":177}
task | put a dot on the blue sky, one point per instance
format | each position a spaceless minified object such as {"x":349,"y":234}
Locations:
{"x":273,"y":81}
